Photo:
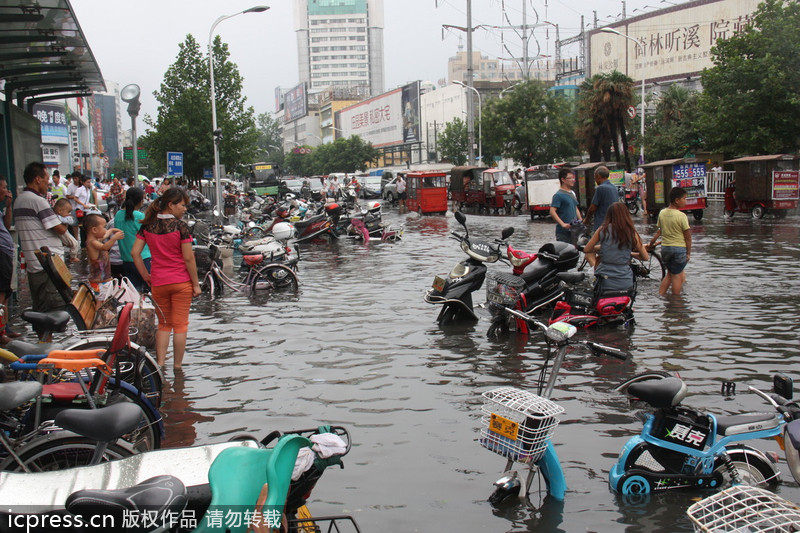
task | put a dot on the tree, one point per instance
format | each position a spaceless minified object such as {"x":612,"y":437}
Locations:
{"x":530,"y":125}
{"x":183,"y":123}
{"x":343,"y":155}
{"x":603,"y":120}
{"x":453,"y":142}
{"x":672,"y":130}
{"x":751,"y":96}
{"x":298,"y":164}
{"x":269,"y":140}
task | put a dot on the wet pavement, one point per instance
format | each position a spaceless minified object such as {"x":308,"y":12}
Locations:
{"x":358,"y":347}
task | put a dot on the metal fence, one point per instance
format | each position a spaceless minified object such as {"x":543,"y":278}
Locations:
{"x":716,"y":182}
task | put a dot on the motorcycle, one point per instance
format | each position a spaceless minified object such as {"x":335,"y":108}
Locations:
{"x":529,"y":290}
{"x":683,"y":448}
{"x":587,"y":308}
{"x":518,"y":424}
{"x":454,"y":292}
{"x":631,"y":198}
{"x":274,"y":248}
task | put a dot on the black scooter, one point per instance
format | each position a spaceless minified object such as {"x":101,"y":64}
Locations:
{"x":454,"y":291}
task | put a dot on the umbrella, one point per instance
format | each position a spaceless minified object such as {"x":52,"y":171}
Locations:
{"x":144,"y":178}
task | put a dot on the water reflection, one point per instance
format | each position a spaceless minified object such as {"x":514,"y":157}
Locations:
{"x":179,"y":413}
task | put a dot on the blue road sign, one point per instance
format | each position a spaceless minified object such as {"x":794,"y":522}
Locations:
{"x":208,"y":174}
{"x":174,"y":163}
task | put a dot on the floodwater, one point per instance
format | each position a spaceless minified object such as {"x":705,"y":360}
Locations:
{"x":358,"y":347}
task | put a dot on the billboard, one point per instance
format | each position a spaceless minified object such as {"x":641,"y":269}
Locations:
{"x":53,"y":119}
{"x":295,"y":102}
{"x":670,"y":43}
{"x":389,"y":119}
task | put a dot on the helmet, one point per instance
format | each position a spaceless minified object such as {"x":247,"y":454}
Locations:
{"x":289,"y":196}
{"x":282,"y":231}
{"x":373,"y":205}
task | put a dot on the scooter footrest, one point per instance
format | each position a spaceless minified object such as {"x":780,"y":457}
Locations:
{"x":737,"y":424}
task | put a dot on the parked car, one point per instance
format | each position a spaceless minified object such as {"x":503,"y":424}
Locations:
{"x":290,"y":185}
{"x":370,"y":187}
{"x":389,"y":192}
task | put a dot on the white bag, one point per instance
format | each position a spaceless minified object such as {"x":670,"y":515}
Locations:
{"x":130,"y":294}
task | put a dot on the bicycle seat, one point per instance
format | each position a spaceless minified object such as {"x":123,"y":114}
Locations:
{"x":659,"y":393}
{"x":50,"y":321}
{"x":104,"y":424}
{"x":16,"y":393}
{"x":254,"y":259}
{"x":161,"y":497}
{"x":22,"y":348}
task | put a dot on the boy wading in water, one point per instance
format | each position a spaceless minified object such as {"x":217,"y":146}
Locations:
{"x":676,"y":241}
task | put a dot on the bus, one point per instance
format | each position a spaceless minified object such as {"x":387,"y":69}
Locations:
{"x":264,"y":179}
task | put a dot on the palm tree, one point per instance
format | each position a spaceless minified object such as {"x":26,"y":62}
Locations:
{"x":603,"y":117}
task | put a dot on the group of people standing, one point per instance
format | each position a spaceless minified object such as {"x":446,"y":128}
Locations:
{"x":614,"y":239}
{"x":154,"y":248}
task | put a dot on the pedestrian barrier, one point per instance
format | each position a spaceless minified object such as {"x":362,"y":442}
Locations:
{"x":716,"y":183}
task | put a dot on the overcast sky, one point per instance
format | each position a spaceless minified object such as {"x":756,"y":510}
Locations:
{"x":136,"y":41}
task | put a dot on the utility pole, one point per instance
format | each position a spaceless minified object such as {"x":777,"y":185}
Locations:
{"x":470,"y":78}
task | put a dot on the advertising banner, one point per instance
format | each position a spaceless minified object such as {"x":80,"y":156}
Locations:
{"x":378,"y":120}
{"x":410,"y":102}
{"x":786,"y":185}
{"x":692,"y":177}
{"x":295,"y":103}
{"x":617,"y":178}
{"x":53,"y":119}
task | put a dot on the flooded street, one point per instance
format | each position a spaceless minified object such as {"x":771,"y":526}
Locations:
{"x":358,"y":347}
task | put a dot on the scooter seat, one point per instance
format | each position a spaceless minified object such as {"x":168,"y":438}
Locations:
{"x":536,"y":271}
{"x":737,"y":424}
{"x":22,"y":348}
{"x":299,"y":226}
{"x":253,"y":259}
{"x":160,"y":497}
{"x":793,"y":431}
{"x":659,"y":393}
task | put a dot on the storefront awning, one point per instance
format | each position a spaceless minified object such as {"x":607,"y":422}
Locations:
{"x":43,"y":53}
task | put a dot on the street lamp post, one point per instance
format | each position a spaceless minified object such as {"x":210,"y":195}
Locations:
{"x":216,"y":132}
{"x":130,"y":95}
{"x":641,"y":127}
{"x":480,"y":118}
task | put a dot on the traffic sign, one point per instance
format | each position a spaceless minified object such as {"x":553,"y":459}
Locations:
{"x":174,"y":163}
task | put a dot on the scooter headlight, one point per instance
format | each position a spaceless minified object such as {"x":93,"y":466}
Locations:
{"x":516,"y":261}
{"x":459,"y":271}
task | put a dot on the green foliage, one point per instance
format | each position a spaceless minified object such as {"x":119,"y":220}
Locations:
{"x":671,"y":131}
{"x":184,"y":120}
{"x":269,"y":140}
{"x":530,"y":125}
{"x":603,"y":119}
{"x":751,"y":97}
{"x":343,"y":155}
{"x":453,"y":142}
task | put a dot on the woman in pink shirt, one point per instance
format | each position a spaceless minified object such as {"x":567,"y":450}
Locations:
{"x":173,"y":272}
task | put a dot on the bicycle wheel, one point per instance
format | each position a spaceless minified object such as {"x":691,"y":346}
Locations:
{"x":147,"y":436}
{"x":211,"y":285}
{"x":653,"y":268}
{"x":136,"y":366}
{"x":276,"y":277}
{"x":62,"y":450}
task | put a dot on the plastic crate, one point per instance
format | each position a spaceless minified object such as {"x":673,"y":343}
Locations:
{"x":517,"y":424}
{"x":503,"y":289}
{"x":743,"y":508}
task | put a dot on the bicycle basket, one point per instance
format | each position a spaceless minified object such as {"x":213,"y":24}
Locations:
{"x":503,"y":289}
{"x":744,"y":508}
{"x":517,"y":424}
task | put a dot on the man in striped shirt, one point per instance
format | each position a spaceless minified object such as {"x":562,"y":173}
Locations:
{"x":37,"y":225}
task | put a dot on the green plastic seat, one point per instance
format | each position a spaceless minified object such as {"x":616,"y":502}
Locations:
{"x":236,"y":477}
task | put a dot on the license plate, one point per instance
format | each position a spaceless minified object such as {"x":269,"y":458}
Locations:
{"x":503,"y":426}
{"x":438,"y":283}
{"x":495,"y":298}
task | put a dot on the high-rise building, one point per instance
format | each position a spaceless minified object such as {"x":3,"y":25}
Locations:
{"x":340,"y":44}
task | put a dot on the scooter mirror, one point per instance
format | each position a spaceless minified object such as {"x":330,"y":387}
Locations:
{"x":462,"y":219}
{"x":216,"y":212}
{"x":508,"y":232}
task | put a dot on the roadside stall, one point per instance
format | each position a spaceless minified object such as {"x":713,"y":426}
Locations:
{"x":426,"y":192}
{"x":763,"y":184}
{"x":662,"y":176}
{"x":584,"y":180}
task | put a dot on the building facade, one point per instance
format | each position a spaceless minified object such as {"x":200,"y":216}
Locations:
{"x":340,"y":44}
{"x":487,"y":69}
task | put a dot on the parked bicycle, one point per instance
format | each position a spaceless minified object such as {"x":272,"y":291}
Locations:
{"x":260,"y":275}
{"x":518,"y":424}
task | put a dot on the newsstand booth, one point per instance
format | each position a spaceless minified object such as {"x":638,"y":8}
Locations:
{"x":584,"y":180}
{"x":763,"y":184}
{"x":426,"y":192}
{"x":662,"y":176}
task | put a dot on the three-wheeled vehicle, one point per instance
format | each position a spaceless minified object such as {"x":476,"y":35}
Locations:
{"x":584,"y":180}
{"x":485,"y":188}
{"x":687,"y":173}
{"x":426,"y":192}
{"x":765,"y":183}
{"x":541,"y":183}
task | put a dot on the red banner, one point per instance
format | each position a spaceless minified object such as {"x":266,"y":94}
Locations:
{"x":786,"y":185}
